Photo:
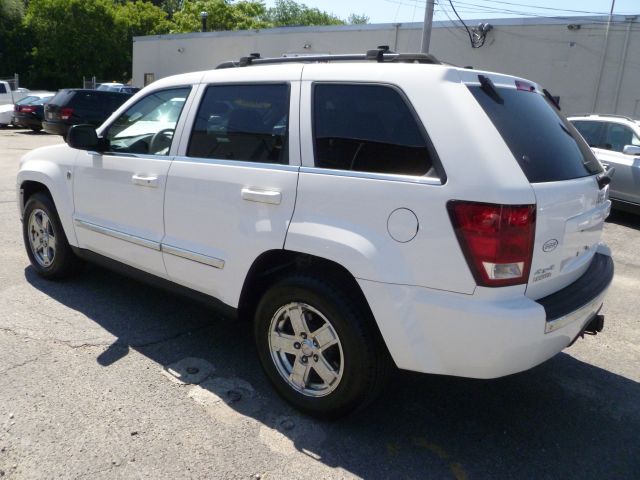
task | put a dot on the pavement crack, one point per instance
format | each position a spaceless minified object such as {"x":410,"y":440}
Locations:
{"x":18,"y":365}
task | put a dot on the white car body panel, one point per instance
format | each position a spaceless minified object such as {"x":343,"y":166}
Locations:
{"x":52,"y":167}
{"x":625,"y":182}
{"x":107,"y":195}
{"x":6,"y":114}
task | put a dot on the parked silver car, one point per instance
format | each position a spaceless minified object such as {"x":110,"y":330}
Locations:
{"x":615,"y":140}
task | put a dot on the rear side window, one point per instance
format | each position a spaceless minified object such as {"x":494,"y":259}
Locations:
{"x":590,"y":131}
{"x":367,"y":128}
{"x":545,"y":144}
{"x":3,"y":88}
{"x":242,"y":122}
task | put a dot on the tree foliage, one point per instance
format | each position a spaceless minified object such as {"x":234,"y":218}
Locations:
{"x":54,"y":43}
{"x":73,"y":38}
{"x":14,"y":40}
{"x":287,"y":13}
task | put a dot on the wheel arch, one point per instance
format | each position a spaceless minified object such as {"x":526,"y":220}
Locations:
{"x":30,"y":182}
{"x":272,"y":265}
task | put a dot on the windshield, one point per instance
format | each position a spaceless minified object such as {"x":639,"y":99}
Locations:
{"x":545,"y":144}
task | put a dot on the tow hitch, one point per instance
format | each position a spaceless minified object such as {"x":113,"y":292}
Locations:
{"x":595,"y":325}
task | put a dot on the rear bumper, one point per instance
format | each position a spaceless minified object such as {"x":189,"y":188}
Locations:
{"x":56,"y":128}
{"x":27,"y":121}
{"x":478,"y":336}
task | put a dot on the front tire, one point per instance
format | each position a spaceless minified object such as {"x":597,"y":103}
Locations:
{"x":49,"y":251}
{"x":319,"y":347}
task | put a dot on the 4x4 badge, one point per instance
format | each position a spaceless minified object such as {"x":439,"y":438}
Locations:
{"x":550,"y":245}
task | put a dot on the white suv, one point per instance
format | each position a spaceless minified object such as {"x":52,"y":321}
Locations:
{"x":616,"y":144}
{"x":361,"y":210}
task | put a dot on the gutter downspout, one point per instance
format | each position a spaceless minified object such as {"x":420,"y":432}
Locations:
{"x":602,"y":58}
{"x":622,"y":62}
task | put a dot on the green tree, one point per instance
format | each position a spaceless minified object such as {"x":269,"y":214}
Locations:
{"x":286,"y":13}
{"x":137,"y":18}
{"x":14,"y":41}
{"x":355,"y":19}
{"x":222,"y":15}
{"x":73,"y":38}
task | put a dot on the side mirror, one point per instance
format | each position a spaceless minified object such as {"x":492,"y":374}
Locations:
{"x":631,"y":150}
{"x":84,"y":137}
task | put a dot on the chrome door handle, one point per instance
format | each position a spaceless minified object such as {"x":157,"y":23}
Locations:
{"x":145,"y":180}
{"x":263,"y":196}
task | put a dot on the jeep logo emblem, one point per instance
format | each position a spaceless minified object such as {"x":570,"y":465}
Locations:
{"x":550,"y":245}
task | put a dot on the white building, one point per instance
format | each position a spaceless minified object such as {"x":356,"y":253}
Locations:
{"x":573,"y":58}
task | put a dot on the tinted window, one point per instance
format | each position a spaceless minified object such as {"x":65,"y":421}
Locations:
{"x":62,"y":97}
{"x":367,"y":128}
{"x":618,"y":136}
{"x":545,"y":144}
{"x":3,"y":88}
{"x":242,"y":122}
{"x":27,"y":100}
{"x":589,"y":130}
{"x":148,"y":126}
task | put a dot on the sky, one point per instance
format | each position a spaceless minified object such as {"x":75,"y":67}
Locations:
{"x":392,"y":11}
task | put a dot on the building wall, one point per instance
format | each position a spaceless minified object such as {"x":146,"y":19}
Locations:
{"x":566,"y":62}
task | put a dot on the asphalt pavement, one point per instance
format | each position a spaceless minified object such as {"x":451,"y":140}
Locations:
{"x":104,"y":377}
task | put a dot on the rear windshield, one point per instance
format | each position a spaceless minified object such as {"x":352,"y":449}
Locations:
{"x":62,"y":97}
{"x":547,"y":147}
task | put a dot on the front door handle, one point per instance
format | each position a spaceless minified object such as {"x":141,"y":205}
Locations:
{"x":145,"y":180}
{"x":263,"y":196}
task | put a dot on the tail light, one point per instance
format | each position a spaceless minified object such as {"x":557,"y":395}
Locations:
{"x":497,"y":240}
{"x":27,"y":109}
{"x":66,"y":113}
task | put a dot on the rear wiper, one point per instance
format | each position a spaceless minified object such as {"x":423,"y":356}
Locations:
{"x":490,"y":89}
{"x":551,"y":98}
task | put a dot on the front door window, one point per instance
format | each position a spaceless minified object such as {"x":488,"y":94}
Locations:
{"x":148,"y":126}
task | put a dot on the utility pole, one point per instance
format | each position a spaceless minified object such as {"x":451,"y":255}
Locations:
{"x":426,"y":27}
{"x":603,"y":57}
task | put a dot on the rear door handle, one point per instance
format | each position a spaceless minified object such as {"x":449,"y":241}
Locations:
{"x":145,"y":180}
{"x":263,"y":196}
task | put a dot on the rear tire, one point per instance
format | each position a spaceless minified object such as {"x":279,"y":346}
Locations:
{"x":49,"y":251}
{"x":319,"y":347}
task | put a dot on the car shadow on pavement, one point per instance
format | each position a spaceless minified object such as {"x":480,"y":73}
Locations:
{"x":626,"y":219}
{"x":563,"y":419}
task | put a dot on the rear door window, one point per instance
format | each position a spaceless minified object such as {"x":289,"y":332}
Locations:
{"x":545,"y":144}
{"x":243,"y":123}
{"x":368,"y":128}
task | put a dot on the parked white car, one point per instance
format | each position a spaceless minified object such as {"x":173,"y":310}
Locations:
{"x":361,"y":213}
{"x":615,"y":140}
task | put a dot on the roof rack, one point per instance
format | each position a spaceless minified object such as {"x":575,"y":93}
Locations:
{"x":381,"y":54}
{"x":603,"y":115}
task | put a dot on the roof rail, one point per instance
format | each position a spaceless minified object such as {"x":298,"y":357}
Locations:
{"x":381,"y":54}
{"x":603,"y":115}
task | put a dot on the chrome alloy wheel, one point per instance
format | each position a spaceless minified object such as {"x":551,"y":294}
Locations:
{"x":306,"y":350}
{"x":41,"y":237}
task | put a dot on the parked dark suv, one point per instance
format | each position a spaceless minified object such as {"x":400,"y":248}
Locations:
{"x":73,"y":106}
